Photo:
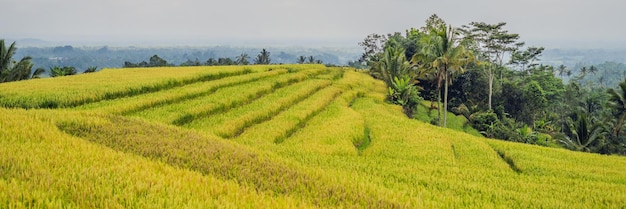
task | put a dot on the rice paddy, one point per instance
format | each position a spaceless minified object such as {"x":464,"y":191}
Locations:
{"x":275,"y":136}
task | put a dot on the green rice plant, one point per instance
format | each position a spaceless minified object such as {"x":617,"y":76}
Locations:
{"x":233,"y":122}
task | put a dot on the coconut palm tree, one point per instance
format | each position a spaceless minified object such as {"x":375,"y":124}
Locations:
{"x":583,"y":133}
{"x":38,"y":72}
{"x":242,"y":59}
{"x":447,"y":55}
{"x":601,"y":80}
{"x":15,"y":71}
{"x":583,"y":72}
{"x":301,"y":60}
{"x":263,"y":58}
{"x":593,"y":70}
{"x":311,"y":59}
{"x":617,"y":103}
{"x":393,"y":65}
{"x":6,"y":56}
{"x":562,"y":69}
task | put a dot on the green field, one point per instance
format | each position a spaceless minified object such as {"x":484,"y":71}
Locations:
{"x":276,"y":136}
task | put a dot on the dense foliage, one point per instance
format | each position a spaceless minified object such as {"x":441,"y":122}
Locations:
{"x":482,"y":71}
{"x":11,"y":70}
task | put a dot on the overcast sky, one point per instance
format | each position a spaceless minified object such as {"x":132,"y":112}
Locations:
{"x":550,"y":23}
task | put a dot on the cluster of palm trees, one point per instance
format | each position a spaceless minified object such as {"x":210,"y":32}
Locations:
{"x":262,"y":58}
{"x":591,"y":128}
{"x":308,"y":60}
{"x":441,"y":56}
{"x":11,"y":70}
{"x":438,"y":54}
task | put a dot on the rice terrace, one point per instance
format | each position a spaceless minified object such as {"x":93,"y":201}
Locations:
{"x":266,"y":136}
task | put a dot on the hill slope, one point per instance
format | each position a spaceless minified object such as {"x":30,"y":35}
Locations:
{"x":285,"y":136}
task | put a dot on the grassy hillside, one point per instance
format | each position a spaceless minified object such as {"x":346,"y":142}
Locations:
{"x":282,"y":136}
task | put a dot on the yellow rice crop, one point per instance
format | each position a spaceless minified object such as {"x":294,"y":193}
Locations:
{"x":297,"y":136}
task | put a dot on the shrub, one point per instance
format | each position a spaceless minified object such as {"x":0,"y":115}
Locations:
{"x":483,"y":121}
{"x":406,"y":94}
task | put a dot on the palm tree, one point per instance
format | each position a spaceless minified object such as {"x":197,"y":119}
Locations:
{"x":425,"y":63}
{"x":57,"y":71}
{"x":91,"y":69}
{"x":582,"y":132}
{"x":396,"y":72}
{"x":19,"y":71}
{"x":311,"y":59}
{"x":601,"y":81}
{"x":301,"y":60}
{"x":38,"y":72}
{"x":583,"y":72}
{"x":263,"y":58}
{"x":6,"y":56}
{"x":593,"y":70}
{"x":15,"y":71}
{"x":562,"y":69}
{"x":392,"y":65}
{"x":243,"y":59}
{"x":617,"y":103}
{"x":447,"y":55}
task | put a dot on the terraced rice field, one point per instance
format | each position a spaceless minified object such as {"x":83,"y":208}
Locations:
{"x":278,"y":136}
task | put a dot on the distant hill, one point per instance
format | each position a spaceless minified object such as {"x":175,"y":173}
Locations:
{"x":572,"y":57}
{"x":83,"y":57}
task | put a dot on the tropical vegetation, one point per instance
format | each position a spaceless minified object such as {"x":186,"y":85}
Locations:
{"x":482,"y":71}
{"x":275,"y":136}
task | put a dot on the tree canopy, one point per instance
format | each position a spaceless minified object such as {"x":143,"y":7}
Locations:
{"x":502,"y":89}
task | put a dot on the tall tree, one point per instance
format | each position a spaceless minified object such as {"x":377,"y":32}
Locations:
{"x":432,"y":23}
{"x":6,"y":56}
{"x":392,"y":65}
{"x":593,"y":69}
{"x":57,"y":71}
{"x":562,"y":69}
{"x":301,"y":59}
{"x":534,"y":101}
{"x":397,"y":74}
{"x":617,"y":103}
{"x":448,"y":55}
{"x":156,"y":61}
{"x":525,"y":59}
{"x":263,"y":58}
{"x":494,"y":43}
{"x":311,"y":59}
{"x":243,"y":59}
{"x":583,"y":132}
{"x":10,"y":70}
{"x":373,"y":46}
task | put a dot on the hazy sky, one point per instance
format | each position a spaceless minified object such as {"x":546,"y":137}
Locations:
{"x":545,"y":22}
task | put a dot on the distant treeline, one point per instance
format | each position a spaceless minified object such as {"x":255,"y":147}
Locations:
{"x":111,"y":57}
{"x":263,"y":58}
